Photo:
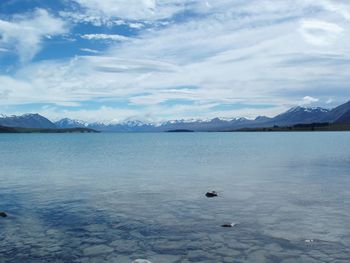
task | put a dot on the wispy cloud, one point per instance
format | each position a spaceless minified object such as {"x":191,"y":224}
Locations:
{"x":207,"y":54}
{"x":340,"y":7}
{"x":112,"y":37}
{"x":89,"y":50}
{"x":4,"y":50}
{"x":128,"y":9}
{"x":24,"y":33}
{"x":320,"y":33}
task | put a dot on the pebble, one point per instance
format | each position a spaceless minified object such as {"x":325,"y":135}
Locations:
{"x":124,"y":246}
{"x":3,"y":214}
{"x":211,"y":194}
{"x":97,"y":250}
{"x":229,"y":225}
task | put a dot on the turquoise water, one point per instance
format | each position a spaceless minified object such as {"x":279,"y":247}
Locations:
{"x":119,"y":197}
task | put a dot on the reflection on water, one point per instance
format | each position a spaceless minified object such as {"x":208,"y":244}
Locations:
{"x":119,"y":197}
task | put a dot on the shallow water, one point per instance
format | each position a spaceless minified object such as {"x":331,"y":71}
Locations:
{"x":118,"y":197}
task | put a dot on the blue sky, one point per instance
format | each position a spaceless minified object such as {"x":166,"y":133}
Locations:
{"x":155,"y":60}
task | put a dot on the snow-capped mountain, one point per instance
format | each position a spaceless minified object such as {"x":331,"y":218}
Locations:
{"x":296,"y":115}
{"x":69,"y":123}
{"x":26,"y":121}
{"x":134,"y":123}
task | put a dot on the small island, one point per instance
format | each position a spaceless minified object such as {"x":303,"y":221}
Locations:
{"x":180,"y":130}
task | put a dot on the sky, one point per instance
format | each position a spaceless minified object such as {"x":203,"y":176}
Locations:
{"x":154,"y":60}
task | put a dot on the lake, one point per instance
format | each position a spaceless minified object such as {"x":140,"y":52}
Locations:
{"x":116,"y":197}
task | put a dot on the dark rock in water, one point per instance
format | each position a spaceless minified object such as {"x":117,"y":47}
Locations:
{"x":211,"y":194}
{"x":3,"y":214}
{"x":229,"y":225}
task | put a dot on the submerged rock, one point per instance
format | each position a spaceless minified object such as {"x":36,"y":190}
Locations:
{"x":3,"y":214}
{"x":229,"y":225}
{"x":211,"y":194}
{"x":97,"y":250}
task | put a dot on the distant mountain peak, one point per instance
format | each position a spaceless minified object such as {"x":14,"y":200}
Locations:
{"x":341,"y":113}
{"x":134,"y":123}
{"x":70,"y":123}
{"x":29,"y":120}
{"x":30,"y":115}
{"x":295,"y":115}
{"x":307,"y":109}
{"x":262,"y":118}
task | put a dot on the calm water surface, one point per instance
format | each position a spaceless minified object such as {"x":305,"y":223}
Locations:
{"x":118,"y":197}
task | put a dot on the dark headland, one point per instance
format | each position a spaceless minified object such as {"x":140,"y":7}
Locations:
{"x":5,"y":129}
{"x":298,"y":127}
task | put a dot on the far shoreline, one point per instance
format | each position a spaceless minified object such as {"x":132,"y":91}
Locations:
{"x":313,"y":127}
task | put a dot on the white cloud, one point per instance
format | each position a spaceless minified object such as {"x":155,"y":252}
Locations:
{"x":308,"y":100}
{"x":132,"y":12}
{"x":248,"y":53}
{"x":128,"y":9}
{"x":103,"y":114}
{"x":25,"y":33}
{"x":98,"y":19}
{"x":95,"y":19}
{"x":136,"y":25}
{"x":105,"y":37}
{"x":89,"y":50}
{"x":320,"y":33}
{"x":338,"y":7}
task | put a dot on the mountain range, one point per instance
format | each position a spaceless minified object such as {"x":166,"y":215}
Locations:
{"x":296,"y":115}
